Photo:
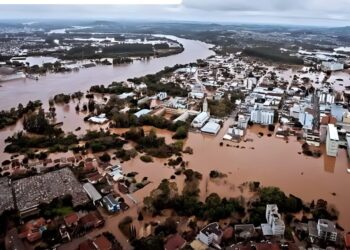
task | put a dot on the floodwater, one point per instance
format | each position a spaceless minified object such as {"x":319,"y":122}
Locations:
{"x":24,"y":90}
{"x":272,"y":162}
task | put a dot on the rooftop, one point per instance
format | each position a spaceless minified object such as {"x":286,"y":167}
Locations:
{"x":212,"y":228}
{"x":326,"y":225}
{"x":174,"y":242}
{"x":92,"y":192}
{"x":333,"y":132}
{"x":6,"y":198}
{"x":211,"y":127}
{"x":31,"y":191}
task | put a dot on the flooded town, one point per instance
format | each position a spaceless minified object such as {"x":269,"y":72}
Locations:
{"x":128,"y":140}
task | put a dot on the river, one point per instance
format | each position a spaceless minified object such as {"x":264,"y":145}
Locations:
{"x":273,"y":162}
{"x":23,"y":90}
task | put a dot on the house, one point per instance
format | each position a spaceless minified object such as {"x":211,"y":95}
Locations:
{"x":210,"y":234}
{"x":94,"y":195}
{"x":94,"y":178}
{"x":115,"y":172}
{"x":92,"y":220}
{"x":174,"y":242}
{"x":33,"y":230}
{"x":71,"y":219}
{"x":110,"y":203}
{"x":102,"y":243}
{"x":86,"y":245}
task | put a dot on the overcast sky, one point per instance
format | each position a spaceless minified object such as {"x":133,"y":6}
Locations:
{"x":300,"y":12}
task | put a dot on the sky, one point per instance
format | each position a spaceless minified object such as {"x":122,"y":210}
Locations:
{"x":298,"y":12}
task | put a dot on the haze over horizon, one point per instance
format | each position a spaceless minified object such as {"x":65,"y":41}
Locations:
{"x":297,"y":12}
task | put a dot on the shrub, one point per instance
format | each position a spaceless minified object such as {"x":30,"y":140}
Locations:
{"x":146,"y":158}
{"x":105,"y":157}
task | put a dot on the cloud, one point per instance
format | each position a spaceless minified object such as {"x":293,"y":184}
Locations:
{"x":269,"y":5}
{"x":304,"y":12}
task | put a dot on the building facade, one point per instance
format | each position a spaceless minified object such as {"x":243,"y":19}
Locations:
{"x":326,"y":230}
{"x":265,"y":117}
{"x":273,"y":218}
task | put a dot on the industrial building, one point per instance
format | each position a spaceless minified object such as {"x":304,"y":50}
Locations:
{"x":94,"y":195}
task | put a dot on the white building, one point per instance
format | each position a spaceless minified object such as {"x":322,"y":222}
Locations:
{"x":211,"y":128}
{"x":142,"y":112}
{"x":306,"y":118}
{"x":326,"y":230}
{"x":332,"y":141}
{"x":338,"y":111}
{"x":92,"y":192}
{"x":210,"y":234}
{"x":294,"y":111}
{"x":274,"y":220}
{"x":200,"y":120}
{"x":265,"y":117}
{"x":333,"y":66}
{"x":100,"y":119}
{"x":162,"y":95}
{"x":326,"y":98}
{"x":250,"y":82}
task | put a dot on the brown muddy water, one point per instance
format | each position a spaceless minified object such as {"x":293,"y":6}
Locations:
{"x":24,"y":90}
{"x":272,"y":162}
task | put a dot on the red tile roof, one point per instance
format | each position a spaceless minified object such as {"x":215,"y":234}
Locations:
{"x":71,"y":219}
{"x":86,"y":245}
{"x":174,"y":242}
{"x":267,"y":246}
{"x":102,"y":243}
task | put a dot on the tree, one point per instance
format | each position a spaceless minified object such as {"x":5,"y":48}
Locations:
{"x":273,"y":195}
{"x":105,"y":157}
{"x":36,"y":122}
{"x":181,"y":133}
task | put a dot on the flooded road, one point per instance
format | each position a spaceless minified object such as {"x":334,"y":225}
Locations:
{"x":23,"y":90}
